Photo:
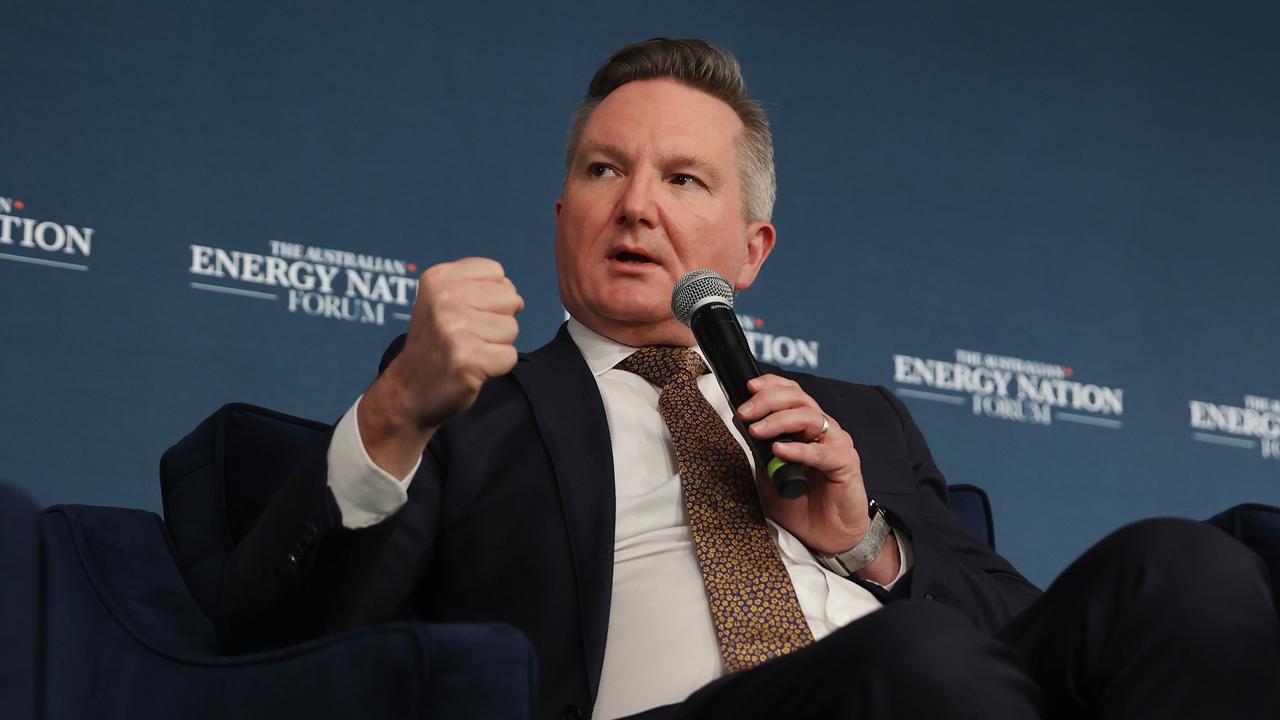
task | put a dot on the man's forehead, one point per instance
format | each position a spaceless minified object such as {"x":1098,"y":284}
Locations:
{"x":666,"y":113}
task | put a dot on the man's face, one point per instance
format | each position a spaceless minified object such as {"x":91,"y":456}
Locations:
{"x":653,"y":192}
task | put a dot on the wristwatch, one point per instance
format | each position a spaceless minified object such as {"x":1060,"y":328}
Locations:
{"x":868,"y":548}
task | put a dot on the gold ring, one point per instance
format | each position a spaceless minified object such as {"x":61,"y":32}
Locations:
{"x":826,"y":425}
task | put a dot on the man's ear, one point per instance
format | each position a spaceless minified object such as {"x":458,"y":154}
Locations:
{"x":761,"y":236}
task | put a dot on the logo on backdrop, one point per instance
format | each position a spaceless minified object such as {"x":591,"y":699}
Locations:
{"x":1253,"y":425}
{"x":778,"y":349}
{"x":35,"y":241}
{"x":320,"y":282}
{"x":1009,"y":388}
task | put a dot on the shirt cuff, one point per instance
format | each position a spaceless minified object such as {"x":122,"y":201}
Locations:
{"x":366,"y":494}
{"x":904,"y":559}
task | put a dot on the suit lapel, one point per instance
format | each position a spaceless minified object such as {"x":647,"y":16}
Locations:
{"x":570,"y":416}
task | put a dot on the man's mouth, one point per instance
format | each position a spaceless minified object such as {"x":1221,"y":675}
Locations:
{"x":630,"y":257}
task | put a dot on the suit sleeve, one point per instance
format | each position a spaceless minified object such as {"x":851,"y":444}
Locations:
{"x":299,"y":572}
{"x":950,"y":564}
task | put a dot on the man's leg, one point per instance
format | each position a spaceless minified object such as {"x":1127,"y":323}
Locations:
{"x":1161,"y":619}
{"x":908,"y":661}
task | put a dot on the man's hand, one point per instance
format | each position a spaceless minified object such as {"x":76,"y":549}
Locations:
{"x":832,"y":517}
{"x":462,"y":332}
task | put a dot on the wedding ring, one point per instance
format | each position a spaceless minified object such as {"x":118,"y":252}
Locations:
{"x":826,"y":425}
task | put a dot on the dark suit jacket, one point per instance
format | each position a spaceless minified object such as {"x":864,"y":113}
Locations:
{"x":510,"y":518}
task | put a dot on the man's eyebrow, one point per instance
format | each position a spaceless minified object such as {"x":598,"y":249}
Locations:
{"x":670,"y":162}
{"x":700,"y":167}
{"x":611,"y":151}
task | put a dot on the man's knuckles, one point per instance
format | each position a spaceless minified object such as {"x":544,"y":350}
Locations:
{"x":478,"y":267}
{"x":499,"y":360}
{"x":770,"y":380}
{"x":470,"y":355}
{"x":462,"y":272}
{"x":433,"y":277}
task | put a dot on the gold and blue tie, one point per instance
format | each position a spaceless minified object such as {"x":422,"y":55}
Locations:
{"x":753,"y":604}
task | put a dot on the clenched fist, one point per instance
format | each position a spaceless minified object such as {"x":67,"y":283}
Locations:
{"x":462,"y":332}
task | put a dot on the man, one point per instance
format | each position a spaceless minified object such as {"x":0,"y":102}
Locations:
{"x":592,"y":494}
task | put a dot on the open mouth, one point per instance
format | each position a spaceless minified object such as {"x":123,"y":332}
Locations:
{"x":632,"y":258}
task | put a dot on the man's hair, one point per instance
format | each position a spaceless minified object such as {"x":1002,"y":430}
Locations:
{"x":702,"y":66}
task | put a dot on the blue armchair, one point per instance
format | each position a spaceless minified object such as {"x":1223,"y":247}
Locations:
{"x":115,"y":609}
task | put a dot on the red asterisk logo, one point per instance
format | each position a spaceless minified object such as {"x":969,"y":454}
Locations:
{"x":759,"y":323}
{"x":18,"y":205}
{"x":1068,"y":372}
{"x":413,"y":267}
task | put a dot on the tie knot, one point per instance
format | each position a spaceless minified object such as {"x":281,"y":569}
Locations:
{"x":662,"y":364}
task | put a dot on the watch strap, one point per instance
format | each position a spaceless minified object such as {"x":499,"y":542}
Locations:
{"x":868,"y":548}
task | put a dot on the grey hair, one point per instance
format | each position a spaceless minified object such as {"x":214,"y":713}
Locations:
{"x":702,"y":66}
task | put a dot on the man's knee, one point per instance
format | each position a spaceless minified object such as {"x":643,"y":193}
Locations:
{"x":930,"y":657}
{"x":1185,"y":579}
{"x":1163,"y":606}
{"x":914,"y":636}
{"x":1187,"y":553}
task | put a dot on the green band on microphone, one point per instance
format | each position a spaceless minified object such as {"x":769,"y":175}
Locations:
{"x":772,"y":467}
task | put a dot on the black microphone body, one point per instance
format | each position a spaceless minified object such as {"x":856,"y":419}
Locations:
{"x":716,"y":328}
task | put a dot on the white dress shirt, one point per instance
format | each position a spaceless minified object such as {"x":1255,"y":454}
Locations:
{"x":661,"y":644}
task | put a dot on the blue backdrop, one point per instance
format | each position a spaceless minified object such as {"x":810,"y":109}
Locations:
{"x":1053,"y":230}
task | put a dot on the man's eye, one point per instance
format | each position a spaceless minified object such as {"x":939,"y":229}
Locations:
{"x":601,"y":170}
{"x":685,"y":180}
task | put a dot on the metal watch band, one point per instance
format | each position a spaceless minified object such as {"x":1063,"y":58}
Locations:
{"x":860,"y":555}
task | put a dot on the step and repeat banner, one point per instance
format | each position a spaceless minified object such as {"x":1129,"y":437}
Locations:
{"x":1053,"y":231}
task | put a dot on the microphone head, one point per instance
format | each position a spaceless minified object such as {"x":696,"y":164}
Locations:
{"x":697,"y":288}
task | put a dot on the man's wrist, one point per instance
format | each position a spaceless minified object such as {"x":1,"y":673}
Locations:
{"x":865,"y":552}
{"x":392,"y":393}
{"x":366,"y":493}
{"x":393,"y":439}
{"x":887,"y":567}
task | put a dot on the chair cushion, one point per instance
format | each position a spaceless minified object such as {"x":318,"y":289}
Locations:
{"x":217,"y":480}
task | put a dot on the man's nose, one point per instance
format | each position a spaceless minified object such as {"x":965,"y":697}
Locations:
{"x":638,"y":204}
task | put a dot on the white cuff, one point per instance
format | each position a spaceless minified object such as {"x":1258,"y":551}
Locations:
{"x":366,"y":494}
{"x":904,"y":559}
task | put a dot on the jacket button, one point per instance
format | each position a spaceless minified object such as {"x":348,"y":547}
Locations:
{"x":293,"y":561}
{"x":570,"y":712}
{"x":309,"y":533}
{"x":929,"y":596}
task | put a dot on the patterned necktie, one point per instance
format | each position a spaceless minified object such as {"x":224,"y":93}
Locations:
{"x":753,"y":605}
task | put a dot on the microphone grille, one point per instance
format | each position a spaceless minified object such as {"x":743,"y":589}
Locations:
{"x":696,"y":287}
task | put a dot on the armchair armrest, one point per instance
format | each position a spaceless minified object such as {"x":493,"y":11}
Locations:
{"x":125,"y":639}
{"x":1257,"y":526}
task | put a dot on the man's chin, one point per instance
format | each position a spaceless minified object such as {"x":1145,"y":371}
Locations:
{"x":636,"y":316}
{"x":635,"y":304}
{"x":618,"y":312}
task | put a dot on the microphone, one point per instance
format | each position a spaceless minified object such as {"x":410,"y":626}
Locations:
{"x":703,"y":300}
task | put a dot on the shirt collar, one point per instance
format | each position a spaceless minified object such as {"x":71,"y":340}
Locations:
{"x":601,"y":353}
